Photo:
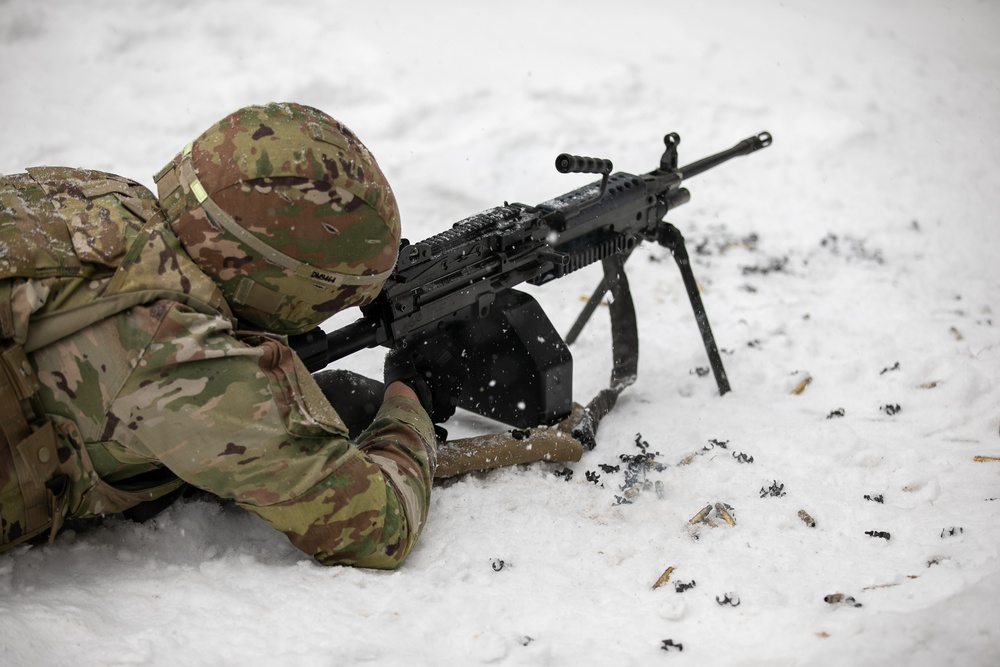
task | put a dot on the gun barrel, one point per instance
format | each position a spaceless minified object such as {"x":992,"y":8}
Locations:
{"x":318,"y":349}
{"x":748,"y":145}
{"x":354,"y":337}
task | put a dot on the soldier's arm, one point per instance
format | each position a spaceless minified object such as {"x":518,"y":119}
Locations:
{"x":247,"y":422}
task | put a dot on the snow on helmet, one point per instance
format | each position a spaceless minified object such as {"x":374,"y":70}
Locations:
{"x":287,"y":211}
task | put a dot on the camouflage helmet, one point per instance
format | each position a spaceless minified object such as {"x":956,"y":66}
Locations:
{"x":287,"y":211}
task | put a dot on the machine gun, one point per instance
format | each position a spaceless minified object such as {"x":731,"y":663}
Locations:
{"x":491,"y":348}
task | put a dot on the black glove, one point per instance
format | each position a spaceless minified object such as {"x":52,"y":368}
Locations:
{"x":433,"y":396}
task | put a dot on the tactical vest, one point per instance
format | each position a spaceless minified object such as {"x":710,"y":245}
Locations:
{"x":76,"y":246}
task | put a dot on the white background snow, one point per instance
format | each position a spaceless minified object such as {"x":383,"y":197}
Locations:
{"x":874,"y":213}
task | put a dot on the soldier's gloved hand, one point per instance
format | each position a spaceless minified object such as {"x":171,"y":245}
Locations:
{"x":399,"y":367}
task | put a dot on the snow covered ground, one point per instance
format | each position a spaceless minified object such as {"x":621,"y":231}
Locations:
{"x":859,"y":251}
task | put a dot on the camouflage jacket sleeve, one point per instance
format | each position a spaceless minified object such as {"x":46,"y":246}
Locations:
{"x":245,"y":420}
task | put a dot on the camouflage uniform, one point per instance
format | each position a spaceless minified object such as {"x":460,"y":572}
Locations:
{"x":163,"y":388}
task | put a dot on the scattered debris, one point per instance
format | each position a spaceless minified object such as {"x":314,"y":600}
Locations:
{"x":637,"y":465}
{"x":852,"y":248}
{"x":565,"y":472}
{"x":725,"y":241}
{"x":700,"y":371}
{"x":806,"y":519}
{"x":879,"y":533}
{"x":636,"y":468}
{"x":643,"y":445}
{"x":929,"y":385}
{"x":680,"y":587}
{"x":712,"y":444}
{"x":839,"y":412}
{"x":875,"y":499}
{"x":498,"y":564}
{"x":729,"y":599}
{"x":669,"y":644}
{"x":593,"y":477}
{"x":956,"y":333}
{"x":840,"y":598}
{"x":891,"y":409}
{"x":663,"y":577}
{"x":742,"y":458}
{"x":776,"y":490}
{"x":894,"y":367}
{"x":951,"y":532}
{"x":774,"y":265}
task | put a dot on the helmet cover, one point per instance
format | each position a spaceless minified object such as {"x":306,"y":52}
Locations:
{"x":287,"y":211}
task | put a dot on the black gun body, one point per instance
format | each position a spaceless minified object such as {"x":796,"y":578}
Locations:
{"x":458,"y":273}
{"x":588,"y":233}
{"x":450,"y":298}
{"x":460,"y":270}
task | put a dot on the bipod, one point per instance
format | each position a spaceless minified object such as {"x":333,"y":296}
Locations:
{"x":624,"y":331}
{"x":671,"y":238}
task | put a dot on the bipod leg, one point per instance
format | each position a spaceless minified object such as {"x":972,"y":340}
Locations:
{"x":588,"y":310}
{"x":595,"y":300}
{"x":624,"y":346}
{"x":671,"y":237}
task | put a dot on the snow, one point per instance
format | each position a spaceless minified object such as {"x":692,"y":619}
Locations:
{"x":864,"y":237}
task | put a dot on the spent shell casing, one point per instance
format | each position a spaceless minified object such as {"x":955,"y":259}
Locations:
{"x":701,"y":515}
{"x":663,"y":577}
{"x":801,"y":386}
{"x":724,"y":514}
{"x":806,"y":519}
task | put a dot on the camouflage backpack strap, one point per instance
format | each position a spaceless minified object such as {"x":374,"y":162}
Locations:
{"x":33,"y":495}
{"x":7,"y":330}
